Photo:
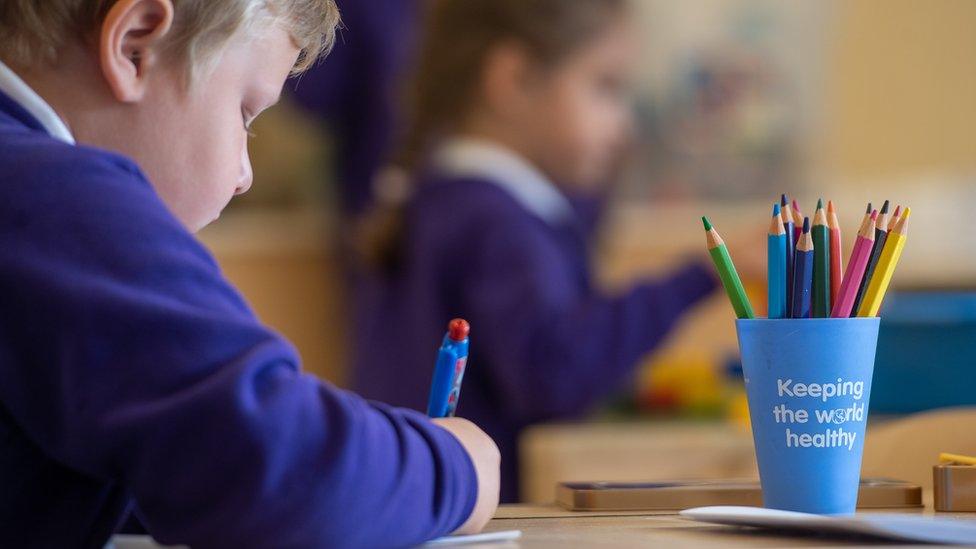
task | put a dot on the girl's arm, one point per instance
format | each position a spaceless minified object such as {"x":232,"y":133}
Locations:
{"x":555,"y":344}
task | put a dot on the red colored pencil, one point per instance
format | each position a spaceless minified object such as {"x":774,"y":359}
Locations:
{"x":855,"y":268}
{"x":894,"y":218}
{"x":797,"y":226}
{"x":836,"y":261}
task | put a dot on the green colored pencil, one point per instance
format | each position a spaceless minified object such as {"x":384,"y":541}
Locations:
{"x":821,"y":263}
{"x":726,"y":271}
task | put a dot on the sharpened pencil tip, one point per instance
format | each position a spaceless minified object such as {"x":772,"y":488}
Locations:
{"x":874,"y":215}
{"x":830,"y":206}
{"x":775,"y":209}
{"x":908,"y":212}
{"x":783,"y":201}
{"x":706,"y":223}
{"x":869,"y":210}
{"x":820,"y":203}
{"x":806,"y":224}
{"x":884,"y":208}
{"x":897,"y":210}
{"x":796,"y":206}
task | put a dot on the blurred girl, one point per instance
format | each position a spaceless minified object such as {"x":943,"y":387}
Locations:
{"x":519,"y":113}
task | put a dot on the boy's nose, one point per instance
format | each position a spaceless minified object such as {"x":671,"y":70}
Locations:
{"x":244,"y":186}
{"x":247,"y":174}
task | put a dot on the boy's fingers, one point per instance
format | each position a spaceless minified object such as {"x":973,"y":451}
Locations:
{"x":487,"y":463}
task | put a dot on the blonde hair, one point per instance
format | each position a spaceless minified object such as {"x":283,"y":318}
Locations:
{"x":35,"y":31}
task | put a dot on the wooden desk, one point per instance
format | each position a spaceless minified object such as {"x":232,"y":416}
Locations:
{"x":548,"y":526}
{"x":628,"y":451}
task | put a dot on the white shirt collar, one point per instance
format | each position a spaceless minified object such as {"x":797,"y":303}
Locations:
{"x":506,"y":169}
{"x":20,"y":92}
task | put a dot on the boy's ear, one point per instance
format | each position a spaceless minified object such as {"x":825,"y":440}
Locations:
{"x":504,"y":78}
{"x":129,"y":44}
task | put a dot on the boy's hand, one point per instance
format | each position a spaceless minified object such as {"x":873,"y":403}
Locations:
{"x":487,"y":465}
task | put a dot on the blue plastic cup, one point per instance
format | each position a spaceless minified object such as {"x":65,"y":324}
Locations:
{"x":808,"y":382}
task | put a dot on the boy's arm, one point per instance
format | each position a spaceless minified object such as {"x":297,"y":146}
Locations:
{"x":555,"y":346}
{"x":130,"y":359}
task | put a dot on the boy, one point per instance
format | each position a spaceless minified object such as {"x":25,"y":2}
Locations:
{"x":132,"y":375}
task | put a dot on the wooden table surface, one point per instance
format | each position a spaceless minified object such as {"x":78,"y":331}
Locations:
{"x":550,"y":526}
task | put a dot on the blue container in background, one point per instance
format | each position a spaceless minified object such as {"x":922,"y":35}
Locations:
{"x":926,"y":352}
{"x":808,"y":382}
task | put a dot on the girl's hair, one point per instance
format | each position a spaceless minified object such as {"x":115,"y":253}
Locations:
{"x":36,"y":31}
{"x":458,"y":37}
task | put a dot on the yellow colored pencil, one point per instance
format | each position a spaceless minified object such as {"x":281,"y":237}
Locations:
{"x":881,"y":278}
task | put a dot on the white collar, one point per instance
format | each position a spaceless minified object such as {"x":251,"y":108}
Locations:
{"x":22,"y":94}
{"x":527,"y":185}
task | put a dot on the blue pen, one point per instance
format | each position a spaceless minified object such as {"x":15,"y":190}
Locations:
{"x":452,"y":357}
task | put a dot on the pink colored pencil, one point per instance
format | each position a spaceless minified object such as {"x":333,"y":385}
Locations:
{"x":836,"y":259}
{"x":855,"y":268}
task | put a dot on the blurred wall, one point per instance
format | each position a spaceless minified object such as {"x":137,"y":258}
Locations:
{"x":898,"y":108}
{"x":901,"y":88}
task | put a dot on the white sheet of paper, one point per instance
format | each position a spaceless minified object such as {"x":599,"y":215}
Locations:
{"x":487,"y":537}
{"x":146,"y":542}
{"x":903,"y":527}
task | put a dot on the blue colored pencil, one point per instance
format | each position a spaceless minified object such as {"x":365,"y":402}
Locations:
{"x":776,"y":265}
{"x":803,"y":273}
{"x":787,"y":213}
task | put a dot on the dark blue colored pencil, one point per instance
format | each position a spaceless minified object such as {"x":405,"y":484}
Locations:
{"x":787,"y":213}
{"x":803,"y":273}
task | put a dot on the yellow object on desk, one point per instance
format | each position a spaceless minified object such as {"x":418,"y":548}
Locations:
{"x":957,"y":459}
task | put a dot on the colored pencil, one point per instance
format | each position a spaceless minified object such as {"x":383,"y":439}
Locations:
{"x":881,"y":278}
{"x":797,"y":216}
{"x":855,"y":268}
{"x":726,"y":272}
{"x":788,"y":226}
{"x":836,"y":255}
{"x":880,"y":235}
{"x":803,"y":273}
{"x":776,"y":265}
{"x":894,"y":218}
{"x":821,"y":263}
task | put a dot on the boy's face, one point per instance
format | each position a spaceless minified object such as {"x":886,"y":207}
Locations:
{"x":192,"y":141}
{"x":581,"y":115}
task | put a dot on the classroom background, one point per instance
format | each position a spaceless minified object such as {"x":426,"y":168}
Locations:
{"x":740,"y":100}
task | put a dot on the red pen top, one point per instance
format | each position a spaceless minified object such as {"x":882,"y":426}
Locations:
{"x":458,"y":329}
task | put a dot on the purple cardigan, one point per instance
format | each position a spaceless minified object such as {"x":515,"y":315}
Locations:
{"x":545,"y":344}
{"x":132,"y":372}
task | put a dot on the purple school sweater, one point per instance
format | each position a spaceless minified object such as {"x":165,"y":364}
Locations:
{"x":133,"y":376}
{"x":545,"y":343}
